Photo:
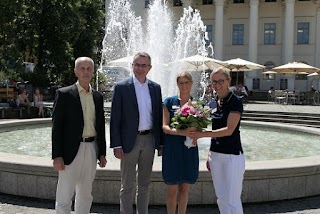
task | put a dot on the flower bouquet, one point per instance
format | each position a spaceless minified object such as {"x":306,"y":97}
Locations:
{"x":191,"y":115}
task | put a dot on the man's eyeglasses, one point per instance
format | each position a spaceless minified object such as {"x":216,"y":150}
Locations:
{"x":136,"y":65}
{"x":215,"y":82}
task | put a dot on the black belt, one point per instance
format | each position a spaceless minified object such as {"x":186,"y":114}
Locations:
{"x":88,"y":139}
{"x":144,"y":132}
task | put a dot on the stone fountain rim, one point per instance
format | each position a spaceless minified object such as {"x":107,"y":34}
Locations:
{"x":31,"y":176}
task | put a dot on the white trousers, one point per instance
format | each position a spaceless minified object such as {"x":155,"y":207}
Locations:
{"x":77,"y":178}
{"x":227,"y":173}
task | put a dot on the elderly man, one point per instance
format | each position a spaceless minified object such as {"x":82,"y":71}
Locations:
{"x":78,"y":139}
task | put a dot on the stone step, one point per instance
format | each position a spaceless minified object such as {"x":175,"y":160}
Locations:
{"x":283,"y":115}
{"x":310,"y":123}
{"x":306,"y":119}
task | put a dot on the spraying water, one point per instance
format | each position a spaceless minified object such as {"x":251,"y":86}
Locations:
{"x":157,"y":35}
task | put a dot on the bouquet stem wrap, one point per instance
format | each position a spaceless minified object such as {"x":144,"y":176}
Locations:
{"x":188,"y":143}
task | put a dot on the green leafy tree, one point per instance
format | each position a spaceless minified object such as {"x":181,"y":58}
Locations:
{"x":51,"y":34}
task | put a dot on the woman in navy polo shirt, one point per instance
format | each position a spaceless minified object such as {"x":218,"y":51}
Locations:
{"x":225,"y":160}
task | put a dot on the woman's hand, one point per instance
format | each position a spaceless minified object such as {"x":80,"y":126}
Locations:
{"x":186,"y":132}
{"x":195,"y":134}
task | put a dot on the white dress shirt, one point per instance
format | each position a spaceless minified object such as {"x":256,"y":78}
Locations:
{"x":144,"y":104}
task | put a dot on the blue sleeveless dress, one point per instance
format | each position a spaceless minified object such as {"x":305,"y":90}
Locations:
{"x":179,"y":164}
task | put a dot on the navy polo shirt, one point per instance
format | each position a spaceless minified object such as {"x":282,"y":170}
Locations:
{"x":228,"y":144}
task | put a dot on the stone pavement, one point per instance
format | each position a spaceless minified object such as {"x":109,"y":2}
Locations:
{"x":20,"y":205}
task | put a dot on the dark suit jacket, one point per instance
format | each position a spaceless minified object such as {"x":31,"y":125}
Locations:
{"x":68,"y":123}
{"x":124,"y":121}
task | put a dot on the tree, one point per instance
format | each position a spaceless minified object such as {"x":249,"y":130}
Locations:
{"x":51,"y":34}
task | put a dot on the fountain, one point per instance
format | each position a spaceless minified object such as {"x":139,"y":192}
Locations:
{"x":156,"y":36}
{"x":264,"y":180}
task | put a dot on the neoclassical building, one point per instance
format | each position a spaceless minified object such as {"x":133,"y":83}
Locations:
{"x":268,"y":32}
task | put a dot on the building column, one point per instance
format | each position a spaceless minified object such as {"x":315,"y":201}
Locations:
{"x":218,"y":30}
{"x":253,"y":31}
{"x":317,"y":55}
{"x":253,"y":42}
{"x":288,"y":38}
{"x":317,"y":51}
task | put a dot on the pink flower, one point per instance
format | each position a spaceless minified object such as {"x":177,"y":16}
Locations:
{"x":185,"y":110}
{"x":193,"y":111}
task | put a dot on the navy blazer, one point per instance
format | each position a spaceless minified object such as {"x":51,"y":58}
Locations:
{"x":68,"y":123}
{"x":124,"y":121}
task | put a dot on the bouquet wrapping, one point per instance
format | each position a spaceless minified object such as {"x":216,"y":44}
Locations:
{"x":191,"y":115}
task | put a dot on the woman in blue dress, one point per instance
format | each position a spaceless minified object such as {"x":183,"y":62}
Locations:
{"x":180,"y":164}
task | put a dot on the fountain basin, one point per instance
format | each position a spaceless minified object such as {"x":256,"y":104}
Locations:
{"x":264,"y":180}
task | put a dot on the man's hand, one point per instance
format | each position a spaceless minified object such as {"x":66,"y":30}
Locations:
{"x":118,"y":153}
{"x":208,"y":165}
{"x":160,"y":150}
{"x":58,"y":164}
{"x":102,"y":161}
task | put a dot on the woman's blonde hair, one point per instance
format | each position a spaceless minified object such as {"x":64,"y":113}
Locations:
{"x":184,"y":74}
{"x":220,"y":70}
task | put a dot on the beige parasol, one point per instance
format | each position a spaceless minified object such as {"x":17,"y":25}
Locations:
{"x":295,"y":68}
{"x":198,"y":63}
{"x":238,"y":64}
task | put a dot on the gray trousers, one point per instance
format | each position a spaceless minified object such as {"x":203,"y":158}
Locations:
{"x":137,"y":165}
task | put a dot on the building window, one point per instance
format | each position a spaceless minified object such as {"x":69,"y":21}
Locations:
{"x":207,"y":1}
{"x":238,"y":1}
{"x":270,"y":0}
{"x":303,"y":33}
{"x":209,"y":34}
{"x":301,"y":77}
{"x":283,"y":84}
{"x":268,"y":76}
{"x":269,"y":33}
{"x":237,"y":34}
{"x":177,"y":2}
{"x":256,"y":84}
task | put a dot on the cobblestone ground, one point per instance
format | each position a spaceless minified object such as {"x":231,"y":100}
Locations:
{"x":20,"y":205}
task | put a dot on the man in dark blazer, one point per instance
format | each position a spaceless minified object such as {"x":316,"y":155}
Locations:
{"x":78,"y":139}
{"x":136,"y":131}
